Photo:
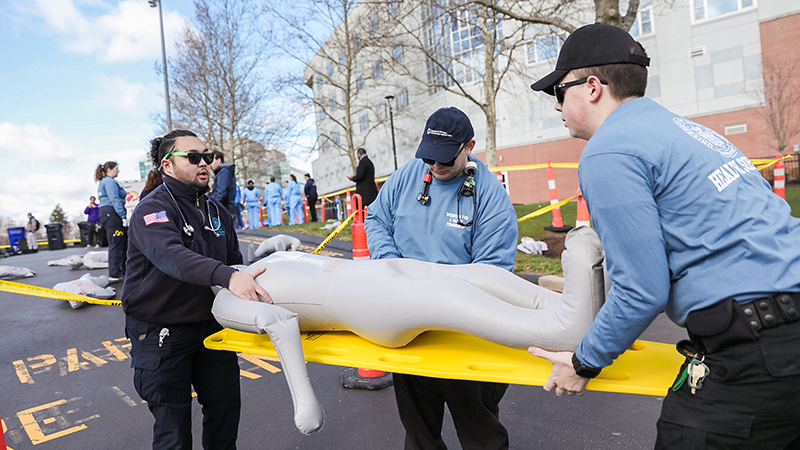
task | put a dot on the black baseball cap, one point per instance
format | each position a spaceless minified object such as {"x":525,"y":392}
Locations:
{"x":591,"y":45}
{"x":445,"y":131}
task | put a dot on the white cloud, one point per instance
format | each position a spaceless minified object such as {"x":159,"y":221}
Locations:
{"x":34,"y":142}
{"x":127,"y":32}
{"x":127,"y":97}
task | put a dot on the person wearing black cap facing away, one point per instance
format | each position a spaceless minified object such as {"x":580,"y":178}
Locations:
{"x":444,"y":206}
{"x":689,"y":227}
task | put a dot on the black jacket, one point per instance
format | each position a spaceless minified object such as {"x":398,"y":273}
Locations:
{"x":169,"y":273}
{"x":310,"y":188}
{"x":225,"y":187}
{"x":365,"y":180}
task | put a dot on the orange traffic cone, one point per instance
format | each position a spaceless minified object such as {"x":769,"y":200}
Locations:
{"x":305,"y":208}
{"x":360,"y":250}
{"x":349,"y":206}
{"x":583,"y":212}
{"x":322,"y":212}
{"x":2,"y":434}
{"x":558,"y":223}
{"x":779,"y":175}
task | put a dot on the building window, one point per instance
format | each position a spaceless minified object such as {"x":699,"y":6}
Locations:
{"x":402,"y":98}
{"x":397,"y":53}
{"x":364,"y":120}
{"x":330,"y":69}
{"x":382,"y":112}
{"x":643,"y":25}
{"x":377,"y":71}
{"x":392,"y":8}
{"x":359,"y":82}
{"x":333,"y":104}
{"x":321,"y":113}
{"x":707,"y":9}
{"x":335,"y":136}
{"x":319,"y":81}
{"x":544,"y":48}
{"x":324,"y":145}
{"x":373,"y":25}
{"x":342,"y":58}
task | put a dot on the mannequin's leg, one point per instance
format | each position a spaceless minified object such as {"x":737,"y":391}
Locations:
{"x":281,"y":325}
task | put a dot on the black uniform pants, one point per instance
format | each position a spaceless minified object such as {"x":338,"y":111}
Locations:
{"x":93,"y":233}
{"x":312,"y":208}
{"x":166,"y":366}
{"x":117,"y":241}
{"x":749,"y":400}
{"x":474,"y":406}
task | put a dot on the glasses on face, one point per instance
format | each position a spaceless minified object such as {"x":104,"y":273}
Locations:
{"x":559,"y":89}
{"x":446,"y":164}
{"x":193,"y":157}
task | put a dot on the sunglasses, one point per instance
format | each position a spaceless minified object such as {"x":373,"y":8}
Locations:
{"x":194,"y":157}
{"x":559,"y":89}
{"x":446,"y":164}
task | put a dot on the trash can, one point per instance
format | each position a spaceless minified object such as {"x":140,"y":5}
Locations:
{"x":15,"y":235}
{"x":84,"y":227}
{"x":55,"y":236}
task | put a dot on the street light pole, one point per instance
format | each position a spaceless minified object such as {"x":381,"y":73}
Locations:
{"x":389,"y":99}
{"x":153,"y":4}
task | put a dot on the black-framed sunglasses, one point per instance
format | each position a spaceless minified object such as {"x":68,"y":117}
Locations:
{"x":558,"y":90}
{"x":193,"y":157}
{"x":446,"y":164}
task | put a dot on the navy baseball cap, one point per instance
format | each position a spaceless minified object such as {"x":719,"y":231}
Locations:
{"x":588,"y":46}
{"x":445,"y":131}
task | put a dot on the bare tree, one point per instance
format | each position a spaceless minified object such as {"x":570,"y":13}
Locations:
{"x":218,"y":89}
{"x":462,"y":48}
{"x":564,"y":14}
{"x":781,"y":99}
{"x":336,"y":42}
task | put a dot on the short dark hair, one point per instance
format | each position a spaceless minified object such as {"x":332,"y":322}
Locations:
{"x":361,"y":151}
{"x":272,"y":179}
{"x":624,"y":80}
{"x":307,"y":175}
{"x":218,"y":155}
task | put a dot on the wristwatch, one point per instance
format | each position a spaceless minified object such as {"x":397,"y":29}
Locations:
{"x":582,"y":369}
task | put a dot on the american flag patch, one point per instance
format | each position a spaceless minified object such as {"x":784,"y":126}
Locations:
{"x":156,"y":217}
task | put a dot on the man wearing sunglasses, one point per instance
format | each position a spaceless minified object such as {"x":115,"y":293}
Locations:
{"x":421,"y":213}
{"x":224,"y":190}
{"x":181,"y":243}
{"x":691,"y":228}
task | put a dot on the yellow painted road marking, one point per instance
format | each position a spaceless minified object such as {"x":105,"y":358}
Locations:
{"x":33,"y":429}
{"x":123,"y":396}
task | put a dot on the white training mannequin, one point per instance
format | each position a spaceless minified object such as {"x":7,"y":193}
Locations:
{"x":277,"y":243}
{"x":391,"y":301}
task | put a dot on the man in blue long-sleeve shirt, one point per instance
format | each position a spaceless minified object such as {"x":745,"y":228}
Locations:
{"x":445,"y":224}
{"x":691,"y":228}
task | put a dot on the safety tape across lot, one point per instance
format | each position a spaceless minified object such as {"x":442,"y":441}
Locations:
{"x":546,"y":209}
{"x":36,"y":291}
{"x":334,"y":233}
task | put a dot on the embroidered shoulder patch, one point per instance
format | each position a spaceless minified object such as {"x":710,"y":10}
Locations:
{"x":156,"y":217}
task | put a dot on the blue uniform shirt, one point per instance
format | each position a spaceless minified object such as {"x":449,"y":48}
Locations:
{"x":399,"y":226}
{"x":686,"y":221}
{"x":110,"y":193}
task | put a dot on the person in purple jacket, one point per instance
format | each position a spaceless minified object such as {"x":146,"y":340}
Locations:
{"x":93,"y":218}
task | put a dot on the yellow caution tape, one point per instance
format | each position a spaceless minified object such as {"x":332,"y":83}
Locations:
{"x":533,"y":166}
{"x":546,"y":209}
{"x":334,"y":233}
{"x":36,"y":291}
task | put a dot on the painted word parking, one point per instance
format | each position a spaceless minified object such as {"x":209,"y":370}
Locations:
{"x":64,"y":415}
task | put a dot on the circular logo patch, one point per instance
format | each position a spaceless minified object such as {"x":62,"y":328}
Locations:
{"x":707,"y":137}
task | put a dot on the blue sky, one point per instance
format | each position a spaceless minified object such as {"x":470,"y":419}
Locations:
{"x":78,"y":87}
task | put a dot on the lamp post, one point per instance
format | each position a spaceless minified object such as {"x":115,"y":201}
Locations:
{"x":389,"y":99}
{"x":153,"y":4}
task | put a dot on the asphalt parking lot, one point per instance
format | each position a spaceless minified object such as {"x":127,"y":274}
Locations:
{"x":66,"y":383}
